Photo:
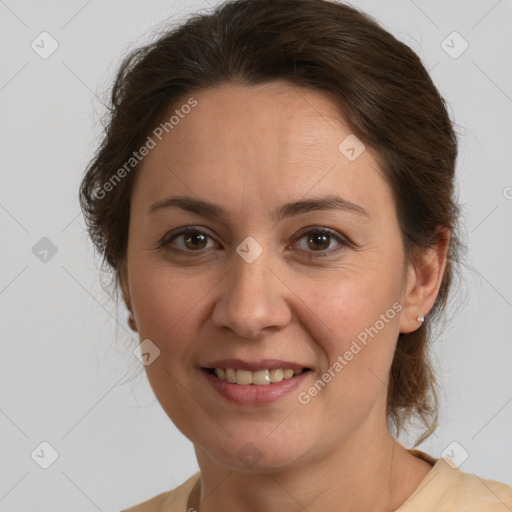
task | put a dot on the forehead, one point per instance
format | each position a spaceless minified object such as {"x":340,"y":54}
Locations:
{"x":273,"y":140}
{"x":274,"y":120}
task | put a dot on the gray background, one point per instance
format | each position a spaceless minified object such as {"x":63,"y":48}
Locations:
{"x":67,"y":369}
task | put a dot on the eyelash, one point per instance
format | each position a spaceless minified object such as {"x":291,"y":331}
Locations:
{"x":165,"y":241}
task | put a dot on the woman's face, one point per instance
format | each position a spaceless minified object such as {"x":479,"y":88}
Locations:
{"x":331,"y":302}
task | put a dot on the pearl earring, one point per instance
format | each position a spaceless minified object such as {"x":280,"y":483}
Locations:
{"x":421,"y":319}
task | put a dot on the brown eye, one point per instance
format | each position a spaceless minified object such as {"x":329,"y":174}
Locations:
{"x":188,"y":240}
{"x":194,"y":240}
{"x":319,"y":241}
{"x":323,"y":241}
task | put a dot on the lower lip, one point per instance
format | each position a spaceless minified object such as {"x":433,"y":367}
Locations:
{"x":252,"y":394}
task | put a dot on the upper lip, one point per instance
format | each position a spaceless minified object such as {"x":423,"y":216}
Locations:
{"x":262,"y":364}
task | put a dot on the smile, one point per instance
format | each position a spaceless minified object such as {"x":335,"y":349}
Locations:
{"x":253,"y":388}
{"x":257,"y":378}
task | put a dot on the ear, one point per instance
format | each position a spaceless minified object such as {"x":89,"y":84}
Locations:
{"x":123,"y":281}
{"x":424,"y":278}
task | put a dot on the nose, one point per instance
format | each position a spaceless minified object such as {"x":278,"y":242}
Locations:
{"x":252,"y":299}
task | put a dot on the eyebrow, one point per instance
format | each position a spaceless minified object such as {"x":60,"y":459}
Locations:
{"x":292,"y":209}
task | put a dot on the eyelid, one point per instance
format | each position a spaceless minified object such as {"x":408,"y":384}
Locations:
{"x":343,"y":241}
{"x":169,"y":237}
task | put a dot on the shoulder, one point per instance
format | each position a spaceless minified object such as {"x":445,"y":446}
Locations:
{"x":481,"y":494}
{"x":170,"y":501}
{"x":449,"y":489}
{"x":154,"y":504}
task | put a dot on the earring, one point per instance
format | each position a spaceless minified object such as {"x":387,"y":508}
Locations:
{"x":131,"y":322}
{"x":421,"y":319}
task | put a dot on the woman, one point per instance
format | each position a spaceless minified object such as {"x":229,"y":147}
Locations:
{"x":275,"y":195}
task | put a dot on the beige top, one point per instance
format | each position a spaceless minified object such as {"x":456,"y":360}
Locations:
{"x":444,"y":489}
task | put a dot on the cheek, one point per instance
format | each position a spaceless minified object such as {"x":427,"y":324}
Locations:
{"x":356,"y":327}
{"x":168,"y":308}
{"x":352,"y":303}
{"x":163,"y":300}
{"x":357,"y":319}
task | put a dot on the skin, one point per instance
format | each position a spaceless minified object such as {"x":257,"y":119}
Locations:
{"x":250,"y":149}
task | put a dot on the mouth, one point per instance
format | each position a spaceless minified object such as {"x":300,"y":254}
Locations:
{"x":263,"y":377}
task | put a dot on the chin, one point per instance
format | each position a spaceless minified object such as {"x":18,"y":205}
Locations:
{"x":258,"y":453}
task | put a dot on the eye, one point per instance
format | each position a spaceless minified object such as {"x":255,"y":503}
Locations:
{"x":315,"y":240}
{"x":318,"y":240}
{"x":191,"y":240}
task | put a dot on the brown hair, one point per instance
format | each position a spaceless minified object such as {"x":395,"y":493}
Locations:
{"x":382,"y":90}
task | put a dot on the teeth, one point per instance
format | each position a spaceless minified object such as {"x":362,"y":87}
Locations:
{"x":258,"y":378}
{"x":276,"y":375}
{"x":230,"y":375}
{"x":243,"y":377}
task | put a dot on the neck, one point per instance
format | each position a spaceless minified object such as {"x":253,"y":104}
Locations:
{"x":356,"y":477}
